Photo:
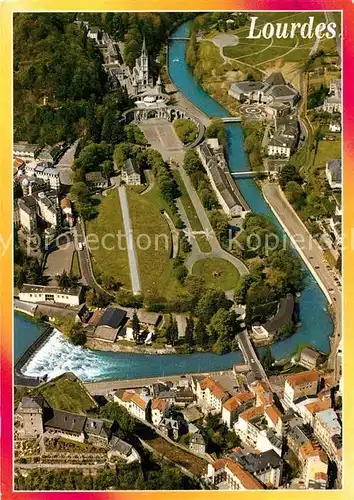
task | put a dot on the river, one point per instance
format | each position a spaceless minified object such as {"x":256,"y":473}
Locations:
{"x":58,"y":355}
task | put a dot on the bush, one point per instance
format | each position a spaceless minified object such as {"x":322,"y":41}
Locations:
{"x":186,"y":130}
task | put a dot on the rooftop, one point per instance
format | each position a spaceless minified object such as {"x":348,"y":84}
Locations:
{"x":112,"y":317}
{"x":95,"y":177}
{"x":303,"y":378}
{"x":307,"y":351}
{"x":130,"y":166}
{"x":256,"y":463}
{"x":283,"y":316}
{"x":335,"y":168}
{"x":237,"y":400}
{"x":214,"y":387}
{"x":28,"y":288}
{"x":330,"y":419}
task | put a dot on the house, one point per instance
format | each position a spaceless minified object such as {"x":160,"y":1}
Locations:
{"x":148,"y":318}
{"x":96,"y":180}
{"x":312,"y":408}
{"x":120,"y":449}
{"x":131,"y":172}
{"x":326,"y":425}
{"x":267,"y":467}
{"x":48,"y":208}
{"x":197,"y":443}
{"x":333,"y":102}
{"x":227,"y":474}
{"x":236,"y":405}
{"x":315,"y":471}
{"x":30,"y":411}
{"x":27,"y":214}
{"x":159,"y":409}
{"x":261,"y":392}
{"x":25,"y":151}
{"x":247,"y":91}
{"x":109,"y":324}
{"x":213,"y":160}
{"x":95,"y":34}
{"x":299,"y":385}
{"x":308,"y":358}
{"x":192,"y":414}
{"x":184,"y":397}
{"x":210,"y":392}
{"x":282,"y":320}
{"x":50,"y":294}
{"x":334,"y":173}
{"x":66,"y":207}
{"x":250,"y":423}
{"x":170,"y":427}
{"x":335,"y":127}
{"x":137,"y":404}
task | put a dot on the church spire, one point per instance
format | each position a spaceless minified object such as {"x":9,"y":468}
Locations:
{"x":143,"y":48}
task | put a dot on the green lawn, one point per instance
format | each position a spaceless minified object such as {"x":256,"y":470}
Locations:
{"x":111,"y":258}
{"x":327,"y":150}
{"x":75,"y":266}
{"x":210,"y":55}
{"x":152,"y":232}
{"x":217,"y":273}
{"x":191,"y":213}
{"x":69,"y":395}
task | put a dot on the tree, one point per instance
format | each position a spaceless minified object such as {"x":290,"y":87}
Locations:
{"x":171,"y":331}
{"x":200,"y":334}
{"x":295,"y":193}
{"x":192,"y":162}
{"x":108,"y":169}
{"x":267,"y":360}
{"x":135,"y":326}
{"x":186,"y":130}
{"x":77,"y":335}
{"x":188,"y":335}
{"x":117,"y":413}
{"x":289,"y":173}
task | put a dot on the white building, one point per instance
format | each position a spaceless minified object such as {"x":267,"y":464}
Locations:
{"x":24,"y":150}
{"x":210,"y":393}
{"x":50,"y":294}
{"x":300,"y":385}
{"x":236,"y":405}
{"x":159,"y":409}
{"x":137,"y":404}
{"x":227,"y":474}
{"x":333,"y":103}
{"x":47,"y":209}
{"x":131,"y":172}
{"x":49,"y":175}
{"x":335,"y":127}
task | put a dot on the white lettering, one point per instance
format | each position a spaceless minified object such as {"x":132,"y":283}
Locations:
{"x":252,"y":27}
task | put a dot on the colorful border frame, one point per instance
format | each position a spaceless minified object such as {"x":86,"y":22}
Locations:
{"x":7,"y":7}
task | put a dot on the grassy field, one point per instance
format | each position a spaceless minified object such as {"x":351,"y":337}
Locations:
{"x":191,"y":213}
{"x":260,"y":52}
{"x":112,"y":260}
{"x":75,"y":266}
{"x":147,"y":220}
{"x":217,"y":273}
{"x":327,"y":150}
{"x":68,"y":395}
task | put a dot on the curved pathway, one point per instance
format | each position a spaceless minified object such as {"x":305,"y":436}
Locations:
{"x":216,"y":249}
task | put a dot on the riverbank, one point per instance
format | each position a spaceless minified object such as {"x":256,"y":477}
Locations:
{"x":100,"y":345}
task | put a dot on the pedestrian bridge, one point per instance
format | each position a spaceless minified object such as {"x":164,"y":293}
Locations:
{"x":179,"y":38}
{"x":249,"y":173}
{"x":231,"y":119}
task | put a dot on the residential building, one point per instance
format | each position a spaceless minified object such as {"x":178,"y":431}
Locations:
{"x":335,"y":127}
{"x":159,"y":409}
{"x":131,"y":172}
{"x":27,"y":214}
{"x":213,"y":160}
{"x":137,"y":404}
{"x":282,"y":320}
{"x":52,"y":153}
{"x":50,"y":294}
{"x":95,"y":33}
{"x":267,"y":467}
{"x":211,"y":393}
{"x":249,"y":425}
{"x":227,"y":474}
{"x":170,"y":427}
{"x":333,"y":102}
{"x":327,"y":425}
{"x":315,"y":467}
{"x":236,"y":405}
{"x":48,"y":208}
{"x":30,"y":411}
{"x":109,"y":324}
{"x":121,"y":449}
{"x":96,"y":180}
{"x":66,"y":207}
{"x":261,"y":392}
{"x":308,"y":358}
{"x":334,"y":173}
{"x":197,"y":443}
{"x":299,"y":385}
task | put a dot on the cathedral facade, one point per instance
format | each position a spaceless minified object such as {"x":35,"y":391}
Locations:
{"x":140,"y":77}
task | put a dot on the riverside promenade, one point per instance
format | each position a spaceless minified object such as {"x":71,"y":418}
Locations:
{"x":313,"y":256}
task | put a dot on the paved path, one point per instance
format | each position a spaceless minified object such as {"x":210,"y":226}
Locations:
{"x":217,"y":251}
{"x":68,"y":157}
{"x":313,"y":256}
{"x":133,"y":262}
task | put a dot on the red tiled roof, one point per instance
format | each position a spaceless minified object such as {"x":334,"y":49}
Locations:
{"x":248,"y":481}
{"x":273,"y":413}
{"x":159,"y":404}
{"x":237,"y":400}
{"x":214,"y":387}
{"x":95,"y":318}
{"x":317,"y":406}
{"x":303,"y":378}
{"x":251,"y":413}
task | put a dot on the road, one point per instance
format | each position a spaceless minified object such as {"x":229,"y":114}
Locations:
{"x":217,"y":251}
{"x":313,"y":256}
{"x":133,"y":262}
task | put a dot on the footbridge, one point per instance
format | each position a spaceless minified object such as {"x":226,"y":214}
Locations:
{"x":231,"y":119}
{"x":249,"y":173}
{"x":183,"y":38}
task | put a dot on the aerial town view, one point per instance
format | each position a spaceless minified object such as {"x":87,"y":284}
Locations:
{"x":177,"y":186}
